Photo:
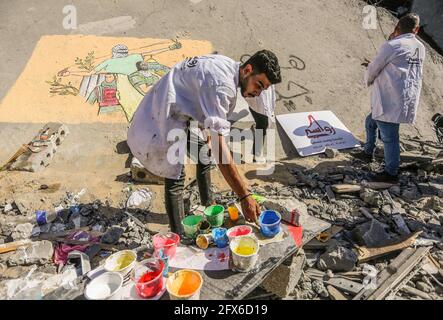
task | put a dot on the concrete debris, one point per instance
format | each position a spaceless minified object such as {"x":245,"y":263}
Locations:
{"x":39,"y":252}
{"x":372,"y":197}
{"x":371,"y":234}
{"x":331,"y":153}
{"x":337,"y":258}
{"x":22,"y":231}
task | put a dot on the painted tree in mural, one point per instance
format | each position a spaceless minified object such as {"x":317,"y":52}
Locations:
{"x":118,"y":82}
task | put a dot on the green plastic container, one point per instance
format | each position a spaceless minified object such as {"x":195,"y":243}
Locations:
{"x":215,"y":215}
{"x":190,"y":225}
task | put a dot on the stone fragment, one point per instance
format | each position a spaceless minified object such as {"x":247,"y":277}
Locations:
{"x":337,"y":258}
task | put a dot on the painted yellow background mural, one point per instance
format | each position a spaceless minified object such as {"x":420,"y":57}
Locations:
{"x":78,"y":79}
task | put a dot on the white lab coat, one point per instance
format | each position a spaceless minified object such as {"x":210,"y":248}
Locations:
{"x":395,"y":77}
{"x":202,"y":88}
{"x":264,"y":103}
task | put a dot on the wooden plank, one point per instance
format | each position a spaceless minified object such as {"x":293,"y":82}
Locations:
{"x":416,"y":292}
{"x":366,"y":254}
{"x":335,"y":294}
{"x":345,"y":188}
{"x":387,"y":272}
{"x":383,"y":290}
{"x":12,"y":246}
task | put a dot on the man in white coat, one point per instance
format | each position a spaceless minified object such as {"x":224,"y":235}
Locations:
{"x":203,"y":89}
{"x":395,"y":78}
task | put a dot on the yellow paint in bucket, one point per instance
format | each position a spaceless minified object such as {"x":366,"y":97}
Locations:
{"x":184,"y":285}
{"x":244,"y":252}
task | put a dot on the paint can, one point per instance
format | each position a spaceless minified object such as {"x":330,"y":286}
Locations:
{"x":244,"y":252}
{"x":220,"y":238}
{"x":104,"y":287}
{"x":184,"y":285}
{"x":204,"y":227}
{"x":122,"y":262}
{"x":148,"y":277}
{"x":269,"y":222}
{"x":215,"y":215}
{"x":167,"y":242}
{"x":190,"y":225}
{"x":203,"y":241}
{"x":238,"y":231}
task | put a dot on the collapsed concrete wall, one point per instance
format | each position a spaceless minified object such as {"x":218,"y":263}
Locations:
{"x":431,"y":14}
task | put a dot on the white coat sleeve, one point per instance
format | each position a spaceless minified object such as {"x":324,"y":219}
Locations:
{"x":216,"y":102}
{"x":383,"y":57}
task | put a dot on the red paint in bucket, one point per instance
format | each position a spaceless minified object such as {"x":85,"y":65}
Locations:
{"x":150,"y":283}
{"x":239,"y":231}
{"x":167,"y":242}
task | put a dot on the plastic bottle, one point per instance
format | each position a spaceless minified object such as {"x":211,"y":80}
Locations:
{"x":43,"y":217}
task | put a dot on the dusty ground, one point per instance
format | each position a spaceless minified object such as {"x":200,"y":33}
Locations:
{"x":325,"y":37}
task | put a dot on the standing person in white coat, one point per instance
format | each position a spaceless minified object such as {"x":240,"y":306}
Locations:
{"x":395,"y":78}
{"x":203,"y":89}
{"x":262,"y":109}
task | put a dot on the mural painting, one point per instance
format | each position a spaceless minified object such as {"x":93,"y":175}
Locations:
{"x":103,"y":84}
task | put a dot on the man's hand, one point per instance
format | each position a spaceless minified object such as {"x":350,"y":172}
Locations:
{"x":251,"y":209}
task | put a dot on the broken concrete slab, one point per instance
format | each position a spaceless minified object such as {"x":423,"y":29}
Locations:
{"x":22,"y":231}
{"x":337,"y":258}
{"x":292,"y":210}
{"x":141,"y":174}
{"x":372,"y":197}
{"x":283,"y":280}
{"x":40,"y":151}
{"x":371,"y":234}
{"x":39,"y":252}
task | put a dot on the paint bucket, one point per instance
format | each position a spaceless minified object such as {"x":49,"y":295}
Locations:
{"x":244,"y":251}
{"x":184,"y":285}
{"x":190,"y":225}
{"x":167,"y":242}
{"x":122,"y":262}
{"x":239,"y":231}
{"x":204,"y":240}
{"x":104,"y":286}
{"x":148,"y":277}
{"x":220,"y":238}
{"x":215,"y":215}
{"x":269,"y":222}
{"x":204,"y":227}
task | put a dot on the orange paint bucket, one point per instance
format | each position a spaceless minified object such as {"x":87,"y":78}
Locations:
{"x":184,"y":285}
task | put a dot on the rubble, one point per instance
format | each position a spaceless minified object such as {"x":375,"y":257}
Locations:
{"x":39,"y":252}
{"x":371,"y":234}
{"x":22,"y":231}
{"x":337,"y":258}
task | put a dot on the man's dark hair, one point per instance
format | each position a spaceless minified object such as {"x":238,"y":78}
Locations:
{"x":266,"y":62}
{"x":408,"y":23}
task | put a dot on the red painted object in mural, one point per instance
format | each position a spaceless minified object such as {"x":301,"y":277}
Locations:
{"x":108,"y":97}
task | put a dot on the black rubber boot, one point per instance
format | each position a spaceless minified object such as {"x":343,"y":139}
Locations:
{"x":174,"y":202}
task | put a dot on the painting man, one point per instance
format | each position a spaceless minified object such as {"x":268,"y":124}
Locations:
{"x":203,"y":89}
{"x":395,"y":78}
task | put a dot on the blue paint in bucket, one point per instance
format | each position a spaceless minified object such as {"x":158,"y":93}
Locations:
{"x":269,"y":222}
{"x":220,"y":237}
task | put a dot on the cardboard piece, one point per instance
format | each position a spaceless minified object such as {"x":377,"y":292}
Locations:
{"x":313,"y":132}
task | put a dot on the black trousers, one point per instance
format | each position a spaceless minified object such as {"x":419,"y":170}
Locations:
{"x":174,"y":188}
{"x":261,"y":123}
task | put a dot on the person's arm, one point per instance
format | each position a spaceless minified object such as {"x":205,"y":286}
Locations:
{"x":379,"y":63}
{"x":226,"y":164}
